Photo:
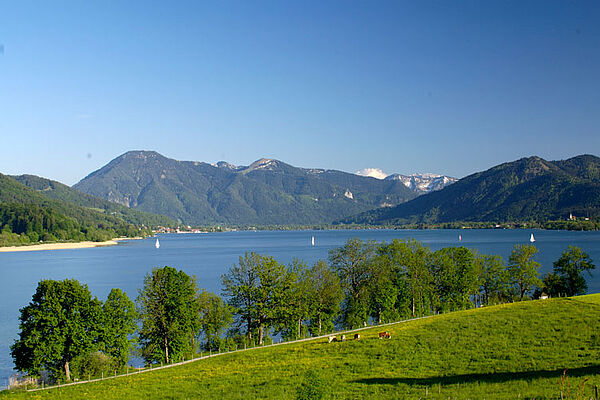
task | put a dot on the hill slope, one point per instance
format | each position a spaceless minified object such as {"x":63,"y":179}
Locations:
{"x":266,"y":192}
{"x":26,"y":216}
{"x":515,"y":350}
{"x":529,"y":189}
{"x":58,"y":191}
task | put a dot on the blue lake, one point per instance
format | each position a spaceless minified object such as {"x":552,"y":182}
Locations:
{"x":208,"y":256}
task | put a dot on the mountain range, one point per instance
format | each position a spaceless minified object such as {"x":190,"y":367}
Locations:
{"x":529,"y":189}
{"x":267,"y":192}
{"x":423,"y":183}
{"x":420,"y":183}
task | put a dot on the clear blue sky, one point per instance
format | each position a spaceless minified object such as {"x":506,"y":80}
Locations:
{"x":450,"y":87}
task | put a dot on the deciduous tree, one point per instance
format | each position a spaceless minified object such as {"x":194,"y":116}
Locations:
{"x":119,"y":319}
{"x":325,"y":293}
{"x":523,"y":270}
{"x":168,"y":308}
{"x":215,"y":317}
{"x":570,"y":268}
{"x":352,"y":264}
{"x":59,"y":324}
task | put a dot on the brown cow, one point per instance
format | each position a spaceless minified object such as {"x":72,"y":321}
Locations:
{"x":385,"y":335}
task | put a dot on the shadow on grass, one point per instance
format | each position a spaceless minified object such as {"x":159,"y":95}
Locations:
{"x":497,"y":377}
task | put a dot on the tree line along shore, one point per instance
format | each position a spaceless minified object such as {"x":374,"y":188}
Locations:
{"x":66,"y":333}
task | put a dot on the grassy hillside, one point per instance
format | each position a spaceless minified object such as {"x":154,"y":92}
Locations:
{"x":510,"y":351}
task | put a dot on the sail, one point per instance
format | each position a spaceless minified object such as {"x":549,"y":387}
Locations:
{"x":532,"y":239}
{"x":157,"y":244}
{"x":312,"y":240}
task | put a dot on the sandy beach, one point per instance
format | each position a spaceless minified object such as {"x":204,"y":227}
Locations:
{"x":64,"y":246}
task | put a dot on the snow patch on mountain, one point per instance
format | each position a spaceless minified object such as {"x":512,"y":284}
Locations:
{"x":423,"y":183}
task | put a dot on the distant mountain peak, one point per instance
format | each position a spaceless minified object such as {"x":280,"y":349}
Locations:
{"x":141,"y":154}
{"x":423,"y":183}
{"x":268,"y":164}
{"x":228,"y":166}
{"x":420,"y":183}
{"x":268,"y":191}
{"x":528,"y":189}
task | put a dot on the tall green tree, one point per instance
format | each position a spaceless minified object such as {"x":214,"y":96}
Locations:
{"x":119,"y":322}
{"x":215,"y":317}
{"x":386,"y":284}
{"x":240,"y":286}
{"x":570,"y":267}
{"x":296,"y":303}
{"x":494,"y":280}
{"x":256,"y":289}
{"x":455,"y":277}
{"x":352,"y":263}
{"x":325,"y":294}
{"x":414,"y":259}
{"x":523,"y":270}
{"x":59,"y":324}
{"x":169,"y":311}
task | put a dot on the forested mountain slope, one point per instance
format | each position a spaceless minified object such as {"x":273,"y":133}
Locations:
{"x":27,"y":216}
{"x":529,"y":189}
{"x":265,"y":192}
{"x":58,"y":191}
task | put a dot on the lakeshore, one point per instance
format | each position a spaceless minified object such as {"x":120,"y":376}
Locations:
{"x":64,"y":245}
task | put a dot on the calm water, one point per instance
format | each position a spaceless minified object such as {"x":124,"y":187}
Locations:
{"x":207,"y":256}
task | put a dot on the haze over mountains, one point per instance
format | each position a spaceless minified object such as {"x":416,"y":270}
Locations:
{"x":267,"y":192}
{"x":529,"y":189}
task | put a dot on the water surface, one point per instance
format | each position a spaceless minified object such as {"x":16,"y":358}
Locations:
{"x":208,"y":256}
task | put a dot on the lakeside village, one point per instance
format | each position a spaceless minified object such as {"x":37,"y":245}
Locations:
{"x":572,"y":222}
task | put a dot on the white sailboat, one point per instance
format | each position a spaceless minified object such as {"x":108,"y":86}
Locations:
{"x":460,"y":238}
{"x":532,"y":239}
{"x":312,"y":241}
{"x":157,"y":244}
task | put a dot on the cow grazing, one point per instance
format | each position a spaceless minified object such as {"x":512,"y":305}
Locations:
{"x":331,"y":339}
{"x":357,"y":336}
{"x":343,"y":338}
{"x":385,"y":335}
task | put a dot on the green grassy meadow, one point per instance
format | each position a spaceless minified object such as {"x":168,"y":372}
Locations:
{"x":510,"y":351}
